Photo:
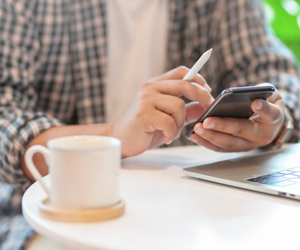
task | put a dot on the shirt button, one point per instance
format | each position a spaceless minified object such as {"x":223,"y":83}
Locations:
{"x":195,"y":55}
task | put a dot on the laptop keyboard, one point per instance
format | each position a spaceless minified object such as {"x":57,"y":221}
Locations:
{"x":282,"y":178}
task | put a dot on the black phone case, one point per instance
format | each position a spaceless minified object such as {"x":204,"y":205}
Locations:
{"x":235,"y":102}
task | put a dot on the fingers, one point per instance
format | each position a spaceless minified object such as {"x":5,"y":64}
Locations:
{"x":193,"y":111}
{"x":172,"y":106}
{"x":268,"y":112}
{"x":276,"y":96}
{"x":234,"y":134}
{"x":231,"y":126}
{"x":179,"y":73}
{"x":164,"y":113}
{"x":182,"y":113}
{"x":157,"y":111}
{"x":220,"y":141}
{"x":176,"y":109}
{"x":258,"y":133}
{"x":265,"y":113}
{"x":162,"y":122}
{"x":190,"y":90}
{"x":201,"y":141}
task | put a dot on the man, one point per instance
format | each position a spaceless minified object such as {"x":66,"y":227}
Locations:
{"x":83,"y":67}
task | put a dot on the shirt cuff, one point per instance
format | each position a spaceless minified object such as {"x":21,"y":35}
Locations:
{"x":15,"y":136}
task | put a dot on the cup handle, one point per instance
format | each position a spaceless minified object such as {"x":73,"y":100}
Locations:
{"x":31,"y":167}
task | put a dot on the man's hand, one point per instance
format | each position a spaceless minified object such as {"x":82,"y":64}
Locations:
{"x":232,"y":134}
{"x":157,"y":114}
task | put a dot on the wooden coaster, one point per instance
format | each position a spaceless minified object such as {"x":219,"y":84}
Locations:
{"x":90,"y":215}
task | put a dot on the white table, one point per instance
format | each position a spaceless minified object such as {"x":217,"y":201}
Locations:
{"x":166,"y":210}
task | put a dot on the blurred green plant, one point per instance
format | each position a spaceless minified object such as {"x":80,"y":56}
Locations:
{"x":283,"y":16}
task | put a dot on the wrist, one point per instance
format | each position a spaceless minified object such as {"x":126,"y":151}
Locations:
{"x":284,"y":133}
{"x":113,"y":132}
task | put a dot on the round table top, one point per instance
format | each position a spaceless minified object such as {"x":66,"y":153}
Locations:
{"x":167,"y":210}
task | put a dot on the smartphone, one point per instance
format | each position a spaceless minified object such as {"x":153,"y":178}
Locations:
{"x":235,"y":102}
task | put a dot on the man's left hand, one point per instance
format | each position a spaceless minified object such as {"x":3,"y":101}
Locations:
{"x":234,"y":134}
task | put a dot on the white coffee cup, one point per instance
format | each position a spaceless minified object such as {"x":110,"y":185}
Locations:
{"x":84,"y":171}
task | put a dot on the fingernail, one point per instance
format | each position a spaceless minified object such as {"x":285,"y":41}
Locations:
{"x":193,"y":138}
{"x":254,"y":118}
{"x":168,"y":143}
{"x":199,"y":131}
{"x":259,"y":105}
{"x":210,"y":125}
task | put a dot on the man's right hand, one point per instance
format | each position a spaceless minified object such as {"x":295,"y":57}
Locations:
{"x":156,"y":115}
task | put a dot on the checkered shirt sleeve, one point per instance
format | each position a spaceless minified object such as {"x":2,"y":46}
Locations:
{"x":246,"y":53}
{"x":19,"y":120}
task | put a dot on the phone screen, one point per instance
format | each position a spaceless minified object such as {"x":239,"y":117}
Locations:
{"x":235,"y":102}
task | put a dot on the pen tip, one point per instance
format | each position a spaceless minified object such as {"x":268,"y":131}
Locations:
{"x":207,"y":53}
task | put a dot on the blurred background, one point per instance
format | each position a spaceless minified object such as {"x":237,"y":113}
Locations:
{"x":283,"y":17}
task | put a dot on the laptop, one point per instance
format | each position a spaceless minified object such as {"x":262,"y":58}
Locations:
{"x":274,"y":172}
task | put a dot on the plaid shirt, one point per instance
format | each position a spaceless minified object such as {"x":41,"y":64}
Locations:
{"x":53,"y":57}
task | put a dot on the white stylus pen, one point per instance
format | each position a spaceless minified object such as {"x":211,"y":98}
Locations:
{"x":198,"y":65}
